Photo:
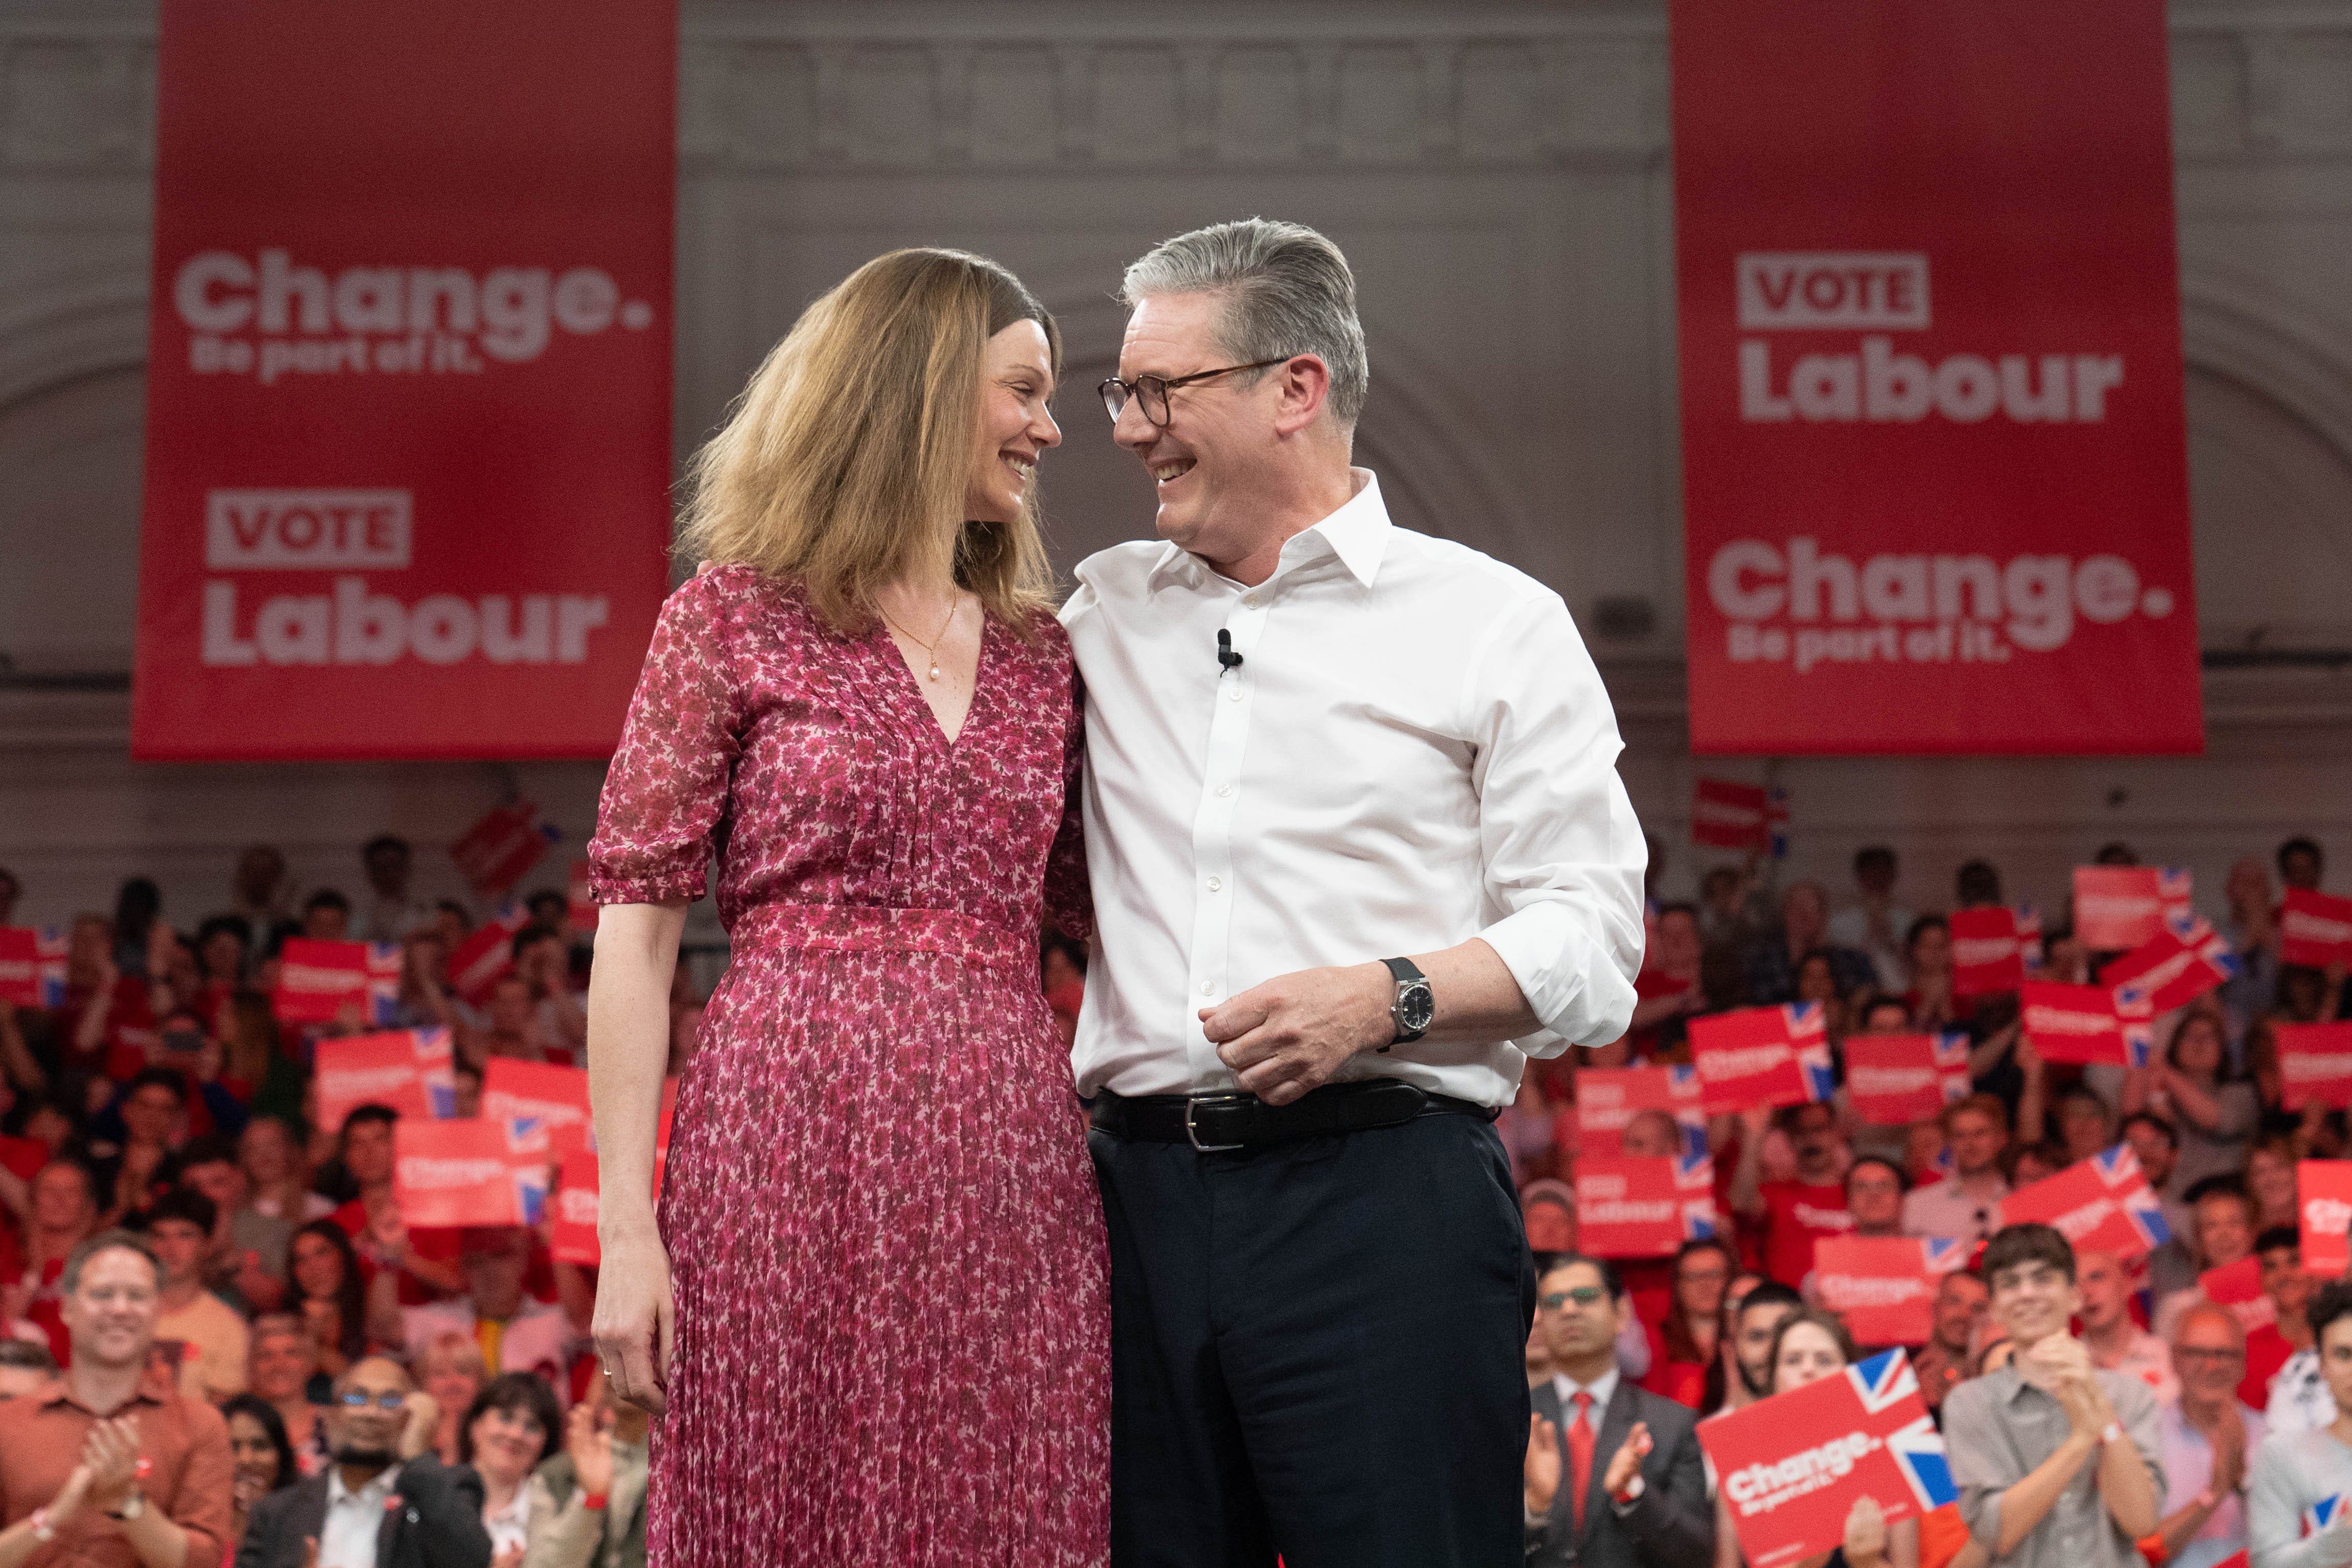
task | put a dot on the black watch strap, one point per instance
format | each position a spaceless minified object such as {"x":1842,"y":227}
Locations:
{"x":1404,"y":971}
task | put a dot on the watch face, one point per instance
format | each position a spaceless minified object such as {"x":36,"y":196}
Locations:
{"x":1416,"y":1005}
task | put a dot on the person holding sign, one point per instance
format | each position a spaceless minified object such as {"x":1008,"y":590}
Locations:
{"x":2056,"y":1461}
{"x":1808,"y":1346}
{"x":1614,"y":1477}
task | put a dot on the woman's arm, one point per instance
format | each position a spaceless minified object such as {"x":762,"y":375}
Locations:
{"x":629,"y":1046}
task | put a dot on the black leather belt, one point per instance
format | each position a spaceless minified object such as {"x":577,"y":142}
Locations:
{"x":1213,"y":1122}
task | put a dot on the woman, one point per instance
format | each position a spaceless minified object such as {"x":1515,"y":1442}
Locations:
{"x":2192,"y":1089}
{"x":1685,"y":1348}
{"x":869,"y":691}
{"x":324,"y":1290}
{"x":1808,"y":1346}
{"x":2269,"y":1178}
{"x":506,"y":1431}
{"x":1547,"y":1212}
{"x":452,"y":1372}
{"x":282,"y":1371}
{"x":268,"y":1151}
{"x":261,"y":1458}
{"x":587,"y":1503}
{"x":1927,"y":954}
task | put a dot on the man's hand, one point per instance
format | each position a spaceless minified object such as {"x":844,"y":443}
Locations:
{"x":1866,"y":1533}
{"x":423,"y":1424}
{"x":111,"y":1453}
{"x":1626,"y":1462}
{"x":1290,"y":1034}
{"x":2229,"y":1440}
{"x":1542,"y":1475}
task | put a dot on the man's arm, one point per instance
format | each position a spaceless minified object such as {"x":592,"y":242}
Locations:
{"x":2131,"y":1472}
{"x":1748,"y":1179}
{"x":448,"y":1503}
{"x":1673,"y":1520}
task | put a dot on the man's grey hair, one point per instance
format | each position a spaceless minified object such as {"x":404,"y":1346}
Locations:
{"x":1287,"y":289}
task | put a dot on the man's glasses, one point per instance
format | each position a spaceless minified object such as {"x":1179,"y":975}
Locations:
{"x":357,"y":1399}
{"x":1152,"y":392}
{"x":2202,"y":1353}
{"x":1583,"y":1295}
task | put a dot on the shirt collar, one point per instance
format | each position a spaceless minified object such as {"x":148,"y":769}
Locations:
{"x":375,"y":1492}
{"x":1356,"y":534}
{"x":1602,"y":1389}
{"x":58,"y":1392}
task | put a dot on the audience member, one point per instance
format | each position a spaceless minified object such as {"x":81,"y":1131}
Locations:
{"x":2297,"y":1471}
{"x":2223,"y":1233}
{"x":2156,"y":1148}
{"x":2085,"y":1124}
{"x":258,"y":897}
{"x":327,"y":916}
{"x":324,"y":1290}
{"x":1958,"y":1318}
{"x":506,"y":1432}
{"x":2271,"y":1346}
{"x":2057,"y":1462}
{"x":153,"y":1109}
{"x":421,"y":1261}
{"x":1613,"y":1474}
{"x":179,"y":1227}
{"x":1743,"y":1368}
{"x":452,"y":1372}
{"x":1774,"y":959}
{"x":1670,"y":986}
{"x":271,"y":1154}
{"x":588,"y":1503}
{"x":24,"y":1367}
{"x":1875,"y":924}
{"x":1927,"y":954}
{"x":2212,"y":1118}
{"x":245,"y":1262}
{"x":386,"y":1501}
{"x":1965,"y":1205}
{"x":1794,"y":1214}
{"x":1684,"y":1346}
{"x":517,"y":1332}
{"x":1548,"y":1210}
{"x":2270,"y":1181}
{"x":262,"y":1458}
{"x":391,"y":911}
{"x":106,"y":1466}
{"x":283,"y":1372}
{"x":2300,"y":864}
{"x":2205,"y":1440}
{"x":2115,"y":1342}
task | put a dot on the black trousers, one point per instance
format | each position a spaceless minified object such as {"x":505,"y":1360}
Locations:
{"x":1317,"y":1349}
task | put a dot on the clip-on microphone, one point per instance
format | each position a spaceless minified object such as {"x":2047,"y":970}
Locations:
{"x":1226,"y":657}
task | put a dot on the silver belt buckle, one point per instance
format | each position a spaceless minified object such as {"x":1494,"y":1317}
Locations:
{"x":1193,"y":1132}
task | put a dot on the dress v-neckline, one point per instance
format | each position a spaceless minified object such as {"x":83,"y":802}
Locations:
{"x":886,"y":647}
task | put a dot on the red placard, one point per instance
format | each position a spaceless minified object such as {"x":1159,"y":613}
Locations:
{"x":2315,"y":929}
{"x":555,"y":1097}
{"x":483,"y":958}
{"x":2323,"y":1190}
{"x":472,"y":1171}
{"x":1987,"y":956}
{"x":408,"y":379}
{"x":20,"y":967}
{"x":1642,"y":1208}
{"x":496,"y":851}
{"x":1607,"y":1098}
{"x":1791,"y":1465}
{"x":1934,"y":468}
{"x":409,"y":1070}
{"x":2083,"y":1024}
{"x":1762,"y":1056}
{"x":2239,"y":1287}
{"x":315,"y":979}
{"x":1893,"y":1079}
{"x":1884,"y":1286}
{"x":2119,"y":907}
{"x":1726,"y":815}
{"x":2173,"y":968}
{"x":572,"y":1234}
{"x":2100,"y":1205}
{"x":2314,"y":1064}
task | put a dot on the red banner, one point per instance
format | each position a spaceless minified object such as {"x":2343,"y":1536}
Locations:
{"x":1893,"y":1079}
{"x":1607,"y":1098}
{"x":554,"y":1097}
{"x":496,"y":851}
{"x":2323,"y":1190}
{"x":2100,"y":1205}
{"x":1762,"y":1056}
{"x":1934,"y":470}
{"x":408,"y":1071}
{"x":2239,"y":1287}
{"x":472,"y":1171}
{"x":20,"y":967}
{"x":2315,"y":929}
{"x":1642,"y":1209}
{"x":408,"y":379}
{"x":2083,"y":1024}
{"x":1988,"y":953}
{"x":1791,"y":1465}
{"x":2314,"y":1064}
{"x":1726,"y":815}
{"x":316,"y":981}
{"x":483,"y":958}
{"x":2118,"y":907}
{"x":1884,"y":1286}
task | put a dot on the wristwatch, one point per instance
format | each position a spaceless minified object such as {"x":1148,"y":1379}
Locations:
{"x":132,"y":1506}
{"x":1414,"y":1004}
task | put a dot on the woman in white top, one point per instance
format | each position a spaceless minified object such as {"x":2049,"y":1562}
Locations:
{"x":507,"y":1430}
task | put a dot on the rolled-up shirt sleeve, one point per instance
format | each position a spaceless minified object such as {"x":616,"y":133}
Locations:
{"x":1564,"y":853}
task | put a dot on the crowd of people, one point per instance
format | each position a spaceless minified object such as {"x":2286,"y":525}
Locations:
{"x":2041,"y":1360}
{"x":219,"y":1340}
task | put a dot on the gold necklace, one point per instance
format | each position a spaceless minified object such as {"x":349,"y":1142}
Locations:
{"x":932,"y":648}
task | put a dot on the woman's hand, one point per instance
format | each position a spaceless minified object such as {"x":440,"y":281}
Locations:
{"x":590,"y":1443}
{"x":636,"y":1317}
{"x":1866,"y":1533}
{"x":1540,"y":1479}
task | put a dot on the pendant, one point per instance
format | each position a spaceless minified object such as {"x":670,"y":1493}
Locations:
{"x":934,"y":672}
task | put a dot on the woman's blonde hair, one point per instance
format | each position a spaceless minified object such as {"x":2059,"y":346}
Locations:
{"x":846,"y":459}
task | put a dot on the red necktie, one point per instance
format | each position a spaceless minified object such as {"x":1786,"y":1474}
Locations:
{"x":1579,"y":1457}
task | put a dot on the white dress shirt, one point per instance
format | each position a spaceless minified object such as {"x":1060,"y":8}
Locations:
{"x":348,"y":1537}
{"x":1415,"y":750}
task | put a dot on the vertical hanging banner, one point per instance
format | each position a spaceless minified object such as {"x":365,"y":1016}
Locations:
{"x":408,"y":388}
{"x":1934,"y":462}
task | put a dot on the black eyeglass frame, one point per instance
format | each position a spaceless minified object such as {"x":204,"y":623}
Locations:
{"x":1166,"y":384}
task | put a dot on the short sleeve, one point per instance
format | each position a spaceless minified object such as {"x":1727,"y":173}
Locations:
{"x":665,"y":791}
{"x":1069,"y":898}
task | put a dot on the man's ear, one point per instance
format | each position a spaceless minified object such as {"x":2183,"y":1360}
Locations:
{"x":1306,"y":382}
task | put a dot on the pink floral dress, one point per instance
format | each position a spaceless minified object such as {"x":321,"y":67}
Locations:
{"x":894,"y":1319}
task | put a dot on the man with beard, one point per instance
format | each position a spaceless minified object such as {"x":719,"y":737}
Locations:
{"x":1794,"y":1214}
{"x":1752,"y":1327}
{"x":386,"y":1501}
{"x":1960,"y":1303}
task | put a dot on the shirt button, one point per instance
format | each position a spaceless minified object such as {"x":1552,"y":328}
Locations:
{"x":1216,"y":884}
{"x":1223,"y":790}
{"x":1251,"y":603}
{"x":1208,"y":988}
{"x":1234,"y":693}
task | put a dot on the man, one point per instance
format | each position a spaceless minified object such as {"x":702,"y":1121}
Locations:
{"x":283,"y":1361}
{"x":2115,"y":1342}
{"x":72,"y":1480}
{"x":1358,"y":848}
{"x":153,"y":1109}
{"x":391,"y":911}
{"x":2156,"y":1146}
{"x":257,"y":896}
{"x":2271,"y":1346}
{"x":2300,"y":864}
{"x":1794,"y":1214}
{"x":517,"y":1332}
{"x":1966,"y":1203}
{"x":246,"y":1261}
{"x":1872,"y":1192}
{"x":2056,"y":1461}
{"x":1754,"y":1322}
{"x":2206,"y":1439}
{"x":543,"y":957}
{"x":373,"y":1219}
{"x":2303,"y":1395}
{"x":1774,"y":960}
{"x":213,"y":1338}
{"x":1959,"y":1315}
{"x":2296,"y":1470}
{"x":386,"y":1501}
{"x":1612,"y":1476}
{"x":327,"y":916}
{"x":2221,"y":1221}
{"x":1875,"y":926}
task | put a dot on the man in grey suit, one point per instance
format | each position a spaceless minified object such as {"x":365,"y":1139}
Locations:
{"x":1642,"y":1502}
